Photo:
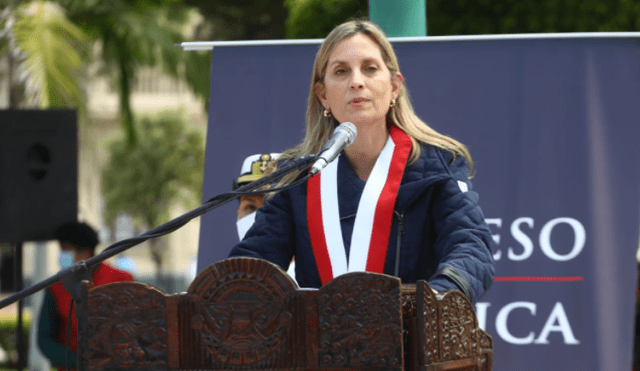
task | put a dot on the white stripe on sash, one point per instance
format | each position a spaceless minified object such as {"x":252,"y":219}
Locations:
{"x":331,"y":218}
{"x":363,"y":225}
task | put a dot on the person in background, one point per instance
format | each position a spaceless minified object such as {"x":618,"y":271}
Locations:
{"x":77,"y":243}
{"x":253,"y":168}
{"x":397,"y":201}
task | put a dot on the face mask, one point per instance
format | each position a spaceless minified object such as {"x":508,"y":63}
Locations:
{"x":244,"y":224}
{"x":66,"y":258}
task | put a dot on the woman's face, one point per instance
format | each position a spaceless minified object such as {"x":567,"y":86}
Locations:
{"x":358,"y":86}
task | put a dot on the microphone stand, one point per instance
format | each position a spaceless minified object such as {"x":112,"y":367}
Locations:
{"x":71,"y":276}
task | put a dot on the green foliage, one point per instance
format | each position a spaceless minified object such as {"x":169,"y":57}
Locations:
{"x":309,"y":19}
{"x":5,"y":248}
{"x":467,"y":17}
{"x":241,"y":19}
{"x":134,"y":33}
{"x":197,"y":66}
{"x":165,"y":168}
{"x":52,"y":39}
{"x":49,"y":51}
{"x":8,"y":336}
{"x":315,"y":18}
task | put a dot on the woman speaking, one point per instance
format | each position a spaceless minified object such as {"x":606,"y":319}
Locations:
{"x":397,"y":201}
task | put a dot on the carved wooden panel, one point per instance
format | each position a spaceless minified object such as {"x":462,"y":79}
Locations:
{"x":410,"y":337}
{"x":449,"y":336}
{"x":459,"y":324}
{"x":360,"y":322}
{"x":485,"y":362}
{"x":248,"y":314}
{"x":240,"y":315}
{"x":127,"y":327}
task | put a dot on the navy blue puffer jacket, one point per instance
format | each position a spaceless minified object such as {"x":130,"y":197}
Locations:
{"x":438,"y":230}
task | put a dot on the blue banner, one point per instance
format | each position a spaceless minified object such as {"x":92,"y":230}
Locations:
{"x":552,"y":127}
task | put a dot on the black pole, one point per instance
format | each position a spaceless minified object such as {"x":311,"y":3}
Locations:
{"x":19,"y":328}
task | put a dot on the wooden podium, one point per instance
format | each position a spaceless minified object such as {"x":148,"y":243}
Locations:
{"x":248,"y":314}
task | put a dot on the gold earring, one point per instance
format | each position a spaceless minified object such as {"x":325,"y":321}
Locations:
{"x":393,"y":103}
{"x":326,"y":113}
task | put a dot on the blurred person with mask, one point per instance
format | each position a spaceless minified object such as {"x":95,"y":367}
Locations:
{"x":77,"y":243}
{"x":253,"y":168}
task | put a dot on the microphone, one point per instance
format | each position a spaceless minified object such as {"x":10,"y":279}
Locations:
{"x":343,"y":136}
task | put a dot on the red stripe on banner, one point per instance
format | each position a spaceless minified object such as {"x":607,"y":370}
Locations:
{"x":384,"y":209}
{"x":316,"y":229}
{"x":538,"y":279}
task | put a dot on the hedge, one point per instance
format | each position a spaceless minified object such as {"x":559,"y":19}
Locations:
{"x":8,"y":337}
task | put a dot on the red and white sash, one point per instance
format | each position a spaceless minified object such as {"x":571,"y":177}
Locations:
{"x":372,"y":226}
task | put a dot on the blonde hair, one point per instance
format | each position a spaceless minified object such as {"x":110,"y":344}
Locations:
{"x":320,"y":128}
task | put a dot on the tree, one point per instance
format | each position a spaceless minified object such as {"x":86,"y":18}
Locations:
{"x":48,"y":42}
{"x":315,"y":18}
{"x":465,"y":17}
{"x":133,"y":33}
{"x":45,"y":54}
{"x":165,"y":168}
{"x":241,"y":19}
{"x":310,"y":19}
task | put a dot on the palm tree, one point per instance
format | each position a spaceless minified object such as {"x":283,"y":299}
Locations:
{"x":46,"y":43}
{"x":133,"y":33}
{"x":45,"y":54}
